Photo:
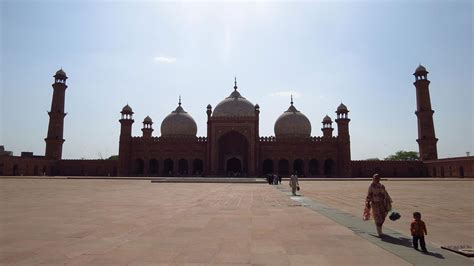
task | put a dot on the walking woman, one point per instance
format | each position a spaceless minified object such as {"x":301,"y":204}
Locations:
{"x":379,"y":201}
{"x":294,"y":183}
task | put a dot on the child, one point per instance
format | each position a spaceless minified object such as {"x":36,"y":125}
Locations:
{"x":418,"y":231}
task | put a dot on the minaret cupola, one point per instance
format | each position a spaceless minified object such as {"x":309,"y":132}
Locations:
{"x":147,"y":127}
{"x":342,"y":111}
{"x":327,"y":127}
{"x":421,"y":73}
{"x":127,"y":112}
{"x":60,"y":76}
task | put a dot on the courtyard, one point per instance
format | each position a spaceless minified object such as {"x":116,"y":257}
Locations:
{"x":61,"y":221}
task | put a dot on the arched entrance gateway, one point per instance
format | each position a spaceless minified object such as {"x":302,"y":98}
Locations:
{"x":234,"y":166}
{"x":233,"y":154}
{"x":267,"y":166}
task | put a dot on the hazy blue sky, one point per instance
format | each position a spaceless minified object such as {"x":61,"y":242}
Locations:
{"x":147,"y":54}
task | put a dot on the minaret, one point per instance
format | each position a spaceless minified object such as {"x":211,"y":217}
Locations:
{"x":327,"y":127}
{"x":125,"y":140}
{"x":54,"y":139}
{"x":343,"y":139}
{"x":342,"y":121}
{"x":207,"y":166}
{"x":147,"y":127}
{"x":426,"y":133}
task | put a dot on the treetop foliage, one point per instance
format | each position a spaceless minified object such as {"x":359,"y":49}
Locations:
{"x":403,"y":156}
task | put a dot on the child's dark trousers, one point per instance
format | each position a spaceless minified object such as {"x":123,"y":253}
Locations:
{"x":422,"y":242}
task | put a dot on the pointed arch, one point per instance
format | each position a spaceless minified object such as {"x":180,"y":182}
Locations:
{"x":198,"y":167}
{"x":168,"y":167}
{"x":298,"y":167}
{"x":267,"y":166}
{"x":183,"y":167}
{"x":153,"y":166}
{"x":139,"y":166}
{"x":313,"y":167}
{"x":328,"y":167}
{"x":283,"y":167}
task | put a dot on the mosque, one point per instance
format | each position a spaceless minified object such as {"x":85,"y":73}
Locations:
{"x":233,"y":145}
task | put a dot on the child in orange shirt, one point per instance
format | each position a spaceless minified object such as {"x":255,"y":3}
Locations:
{"x":418,"y":231}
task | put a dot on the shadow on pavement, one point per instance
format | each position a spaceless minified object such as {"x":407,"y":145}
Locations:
{"x":436,"y":255}
{"x":403,"y":241}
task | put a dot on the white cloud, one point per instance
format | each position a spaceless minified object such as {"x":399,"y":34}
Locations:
{"x":286,"y":94}
{"x":164,"y":59}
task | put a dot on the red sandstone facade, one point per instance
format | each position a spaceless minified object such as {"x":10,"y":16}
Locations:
{"x":234,"y":147}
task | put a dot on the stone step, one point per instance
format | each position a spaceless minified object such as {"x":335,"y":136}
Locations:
{"x":248,"y":180}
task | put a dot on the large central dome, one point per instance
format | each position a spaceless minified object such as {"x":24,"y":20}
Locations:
{"x":234,"y":105}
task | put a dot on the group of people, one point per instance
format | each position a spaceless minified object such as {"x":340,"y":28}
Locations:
{"x":273,"y":179}
{"x":378,"y":200}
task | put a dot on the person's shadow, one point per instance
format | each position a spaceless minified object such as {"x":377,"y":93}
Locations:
{"x":403,"y":241}
{"x":436,"y":255}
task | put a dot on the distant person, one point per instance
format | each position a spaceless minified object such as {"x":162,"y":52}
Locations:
{"x":379,"y":201}
{"x":279,"y":179}
{"x":418,"y":231}
{"x":294,"y":184}
{"x":275,"y":179}
{"x":270,"y":179}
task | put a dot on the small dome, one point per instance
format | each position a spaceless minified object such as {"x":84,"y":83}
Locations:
{"x":342,"y":109}
{"x":420,"y":68}
{"x":127,"y":110}
{"x":292,"y":123}
{"x":327,"y":120}
{"x":147,"y":120}
{"x":234,"y":105}
{"x":178,"y":123}
{"x":60,"y":73}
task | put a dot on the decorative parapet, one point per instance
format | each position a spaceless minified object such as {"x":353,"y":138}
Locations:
{"x":268,"y":139}
{"x":89,"y":161}
{"x":310,"y":139}
{"x":316,"y":139}
{"x":181,"y":138}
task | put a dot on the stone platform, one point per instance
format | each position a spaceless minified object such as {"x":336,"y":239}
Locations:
{"x":135,"y":222}
{"x":241,"y":180}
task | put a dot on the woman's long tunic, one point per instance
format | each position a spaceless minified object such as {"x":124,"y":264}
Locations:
{"x":379,"y":201}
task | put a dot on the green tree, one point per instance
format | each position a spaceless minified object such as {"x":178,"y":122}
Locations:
{"x":113,"y":157}
{"x":403,"y":156}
